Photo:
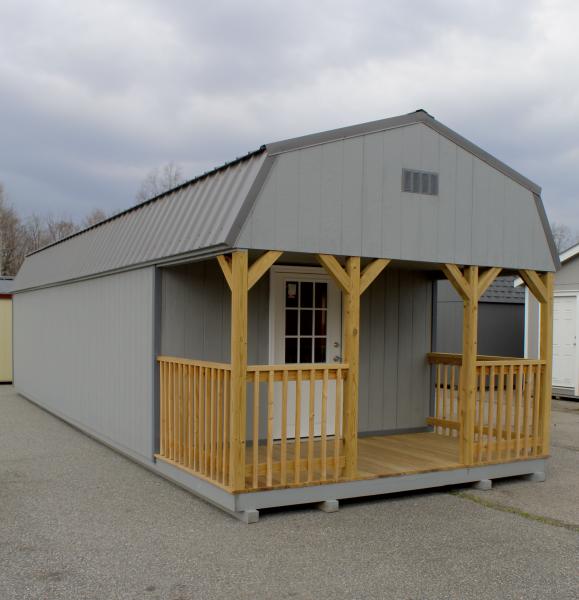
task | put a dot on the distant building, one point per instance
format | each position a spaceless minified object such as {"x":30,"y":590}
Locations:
{"x":5,"y":329}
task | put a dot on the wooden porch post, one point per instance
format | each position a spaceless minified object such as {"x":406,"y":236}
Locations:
{"x":541,"y":286}
{"x":546,"y":349}
{"x":353,"y":284}
{"x":352,"y":355}
{"x":470,"y":288}
{"x":239,"y":289}
{"x":468,"y":372}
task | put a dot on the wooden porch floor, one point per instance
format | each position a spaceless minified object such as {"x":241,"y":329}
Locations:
{"x":381,"y":456}
{"x":378,"y":456}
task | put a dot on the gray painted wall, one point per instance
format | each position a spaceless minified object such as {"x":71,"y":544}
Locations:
{"x":501,"y":326}
{"x":395,"y":335}
{"x":85,"y":352}
{"x":345,"y":197}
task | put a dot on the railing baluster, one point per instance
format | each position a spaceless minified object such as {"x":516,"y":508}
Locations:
{"x":298,"y":428}
{"x":439,"y":412}
{"x":536,"y":409}
{"x":163,"y":399}
{"x":500,"y":403}
{"x":445,"y":395}
{"x":270,"y":394}
{"x":311,"y":424}
{"x":324,"y":440}
{"x":283,"y":456}
{"x":337,"y":436}
{"x":481,"y":372}
{"x":491,"y":427}
{"x":526,"y":409}
{"x":509,"y":410}
{"x":518,"y":405}
{"x":255,"y":441}
{"x":226,"y":411}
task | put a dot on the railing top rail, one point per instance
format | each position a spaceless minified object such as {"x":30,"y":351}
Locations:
{"x":482,"y":360}
{"x":508,"y":362}
{"x":445,"y":358}
{"x":193,"y":362}
{"x":298,"y":367}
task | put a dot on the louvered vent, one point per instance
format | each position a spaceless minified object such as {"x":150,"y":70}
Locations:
{"x":420,"y":182}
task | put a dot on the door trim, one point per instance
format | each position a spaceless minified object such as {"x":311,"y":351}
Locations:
{"x":298,"y":270}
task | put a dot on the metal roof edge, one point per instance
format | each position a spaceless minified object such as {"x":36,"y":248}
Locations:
{"x":185,"y":184}
{"x":547,"y":230}
{"x":569,"y":253}
{"x":176,"y":259}
{"x":249,"y":202}
{"x":342,"y":133}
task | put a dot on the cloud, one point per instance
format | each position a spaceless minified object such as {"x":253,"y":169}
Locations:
{"x":94,"y":94}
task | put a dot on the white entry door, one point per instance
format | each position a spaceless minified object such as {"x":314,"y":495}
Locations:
{"x":305,"y":326}
{"x":564,"y":341}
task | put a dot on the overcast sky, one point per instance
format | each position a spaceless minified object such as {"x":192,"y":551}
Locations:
{"x":93,"y":94}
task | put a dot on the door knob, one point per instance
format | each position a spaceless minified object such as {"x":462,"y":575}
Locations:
{"x":337,"y":358}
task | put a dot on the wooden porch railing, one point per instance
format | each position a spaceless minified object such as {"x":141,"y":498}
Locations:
{"x":195,"y":422}
{"x":194,"y":416}
{"x":507,"y":411}
{"x":300,"y":455}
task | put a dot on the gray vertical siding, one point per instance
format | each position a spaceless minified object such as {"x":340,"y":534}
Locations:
{"x":395,"y":336}
{"x":345,"y":197}
{"x":196,"y":314}
{"x":85,"y":352}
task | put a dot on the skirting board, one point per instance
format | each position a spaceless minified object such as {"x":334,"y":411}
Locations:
{"x":239,"y":503}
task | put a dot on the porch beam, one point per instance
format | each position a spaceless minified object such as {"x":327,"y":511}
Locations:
{"x":546,"y":354}
{"x":534,"y":282}
{"x":458,"y":281}
{"x":335,"y":269}
{"x":239,"y":294}
{"x":372,"y":271}
{"x":468,"y":369}
{"x":225,"y":264}
{"x":260,"y":267}
{"x":486,"y":279}
{"x":352,"y":355}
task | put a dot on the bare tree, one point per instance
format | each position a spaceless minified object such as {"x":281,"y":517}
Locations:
{"x":11,"y":241}
{"x":57,"y":228}
{"x":158,"y":181}
{"x":95,"y":216}
{"x":564,"y":236}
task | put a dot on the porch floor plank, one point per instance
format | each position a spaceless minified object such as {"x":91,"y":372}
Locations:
{"x":378,"y":456}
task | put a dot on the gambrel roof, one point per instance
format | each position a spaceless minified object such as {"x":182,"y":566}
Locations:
{"x":333,"y":192}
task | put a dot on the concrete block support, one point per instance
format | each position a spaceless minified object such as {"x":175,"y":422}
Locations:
{"x":483,"y":484}
{"x":329,"y":506}
{"x":537,"y":477}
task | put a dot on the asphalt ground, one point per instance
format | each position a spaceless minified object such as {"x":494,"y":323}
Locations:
{"x":79,"y":521}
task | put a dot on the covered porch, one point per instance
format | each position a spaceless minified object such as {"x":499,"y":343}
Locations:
{"x":249,"y":428}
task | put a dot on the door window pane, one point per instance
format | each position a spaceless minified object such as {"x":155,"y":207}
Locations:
{"x":291,"y":293}
{"x":306,"y":350}
{"x":306,"y":322}
{"x":291,"y":322}
{"x":320,"y":350}
{"x":321,"y":295}
{"x":306,"y":294}
{"x":320,"y":328}
{"x":291,"y":350}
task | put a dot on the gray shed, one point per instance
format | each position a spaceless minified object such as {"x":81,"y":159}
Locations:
{"x":501,"y":318}
{"x":565,"y":325}
{"x":263,"y":334}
